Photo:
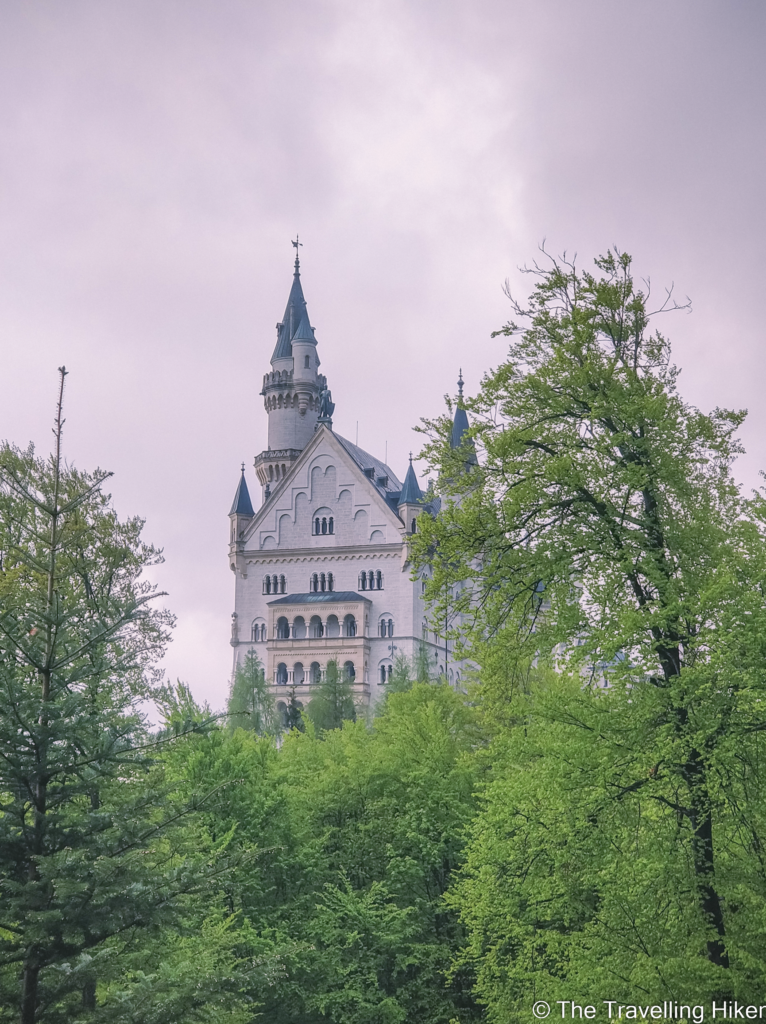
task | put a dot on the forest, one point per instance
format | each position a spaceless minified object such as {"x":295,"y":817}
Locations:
{"x":585,"y":820}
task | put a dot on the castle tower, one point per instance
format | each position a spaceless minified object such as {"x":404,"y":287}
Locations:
{"x":291,"y":391}
{"x":410,"y":503}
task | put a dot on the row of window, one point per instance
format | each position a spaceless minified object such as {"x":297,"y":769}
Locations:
{"x":371,"y":580}
{"x":316,"y":628}
{"x":314,"y":674}
{"x":274,"y":585}
{"x":299,"y":630}
{"x":321,"y":582}
{"x":324,"y":525}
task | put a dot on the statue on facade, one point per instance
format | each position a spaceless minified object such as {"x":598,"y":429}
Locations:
{"x":326,"y":405}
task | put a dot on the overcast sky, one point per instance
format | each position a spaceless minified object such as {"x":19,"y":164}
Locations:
{"x":157,"y":156}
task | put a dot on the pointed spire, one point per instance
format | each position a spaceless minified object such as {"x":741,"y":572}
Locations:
{"x":460,"y":425}
{"x":411,"y":492}
{"x":295,"y":314}
{"x":242,"y":506}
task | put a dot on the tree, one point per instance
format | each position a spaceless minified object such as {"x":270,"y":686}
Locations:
{"x":294,"y":713}
{"x":400,"y":679}
{"x":332,"y":703}
{"x":251,"y":705}
{"x":86,"y":819}
{"x":358,"y":833}
{"x":603,"y":536}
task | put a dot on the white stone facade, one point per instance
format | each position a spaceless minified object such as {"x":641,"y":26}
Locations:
{"x":322,"y":569}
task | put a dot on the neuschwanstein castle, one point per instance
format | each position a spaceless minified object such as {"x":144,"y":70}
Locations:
{"x":322,"y":569}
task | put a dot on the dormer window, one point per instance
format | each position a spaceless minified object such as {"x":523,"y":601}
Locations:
{"x":370,"y":473}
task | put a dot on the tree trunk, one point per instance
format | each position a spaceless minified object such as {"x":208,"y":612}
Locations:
{"x":29,"y":993}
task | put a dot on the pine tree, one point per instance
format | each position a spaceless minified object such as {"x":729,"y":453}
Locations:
{"x":294,"y":714}
{"x":333,"y":701}
{"x":251,"y":705}
{"x":84,"y":812}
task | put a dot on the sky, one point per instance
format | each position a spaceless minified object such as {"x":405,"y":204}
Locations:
{"x":158,"y":156}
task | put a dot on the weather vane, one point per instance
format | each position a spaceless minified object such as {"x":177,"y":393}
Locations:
{"x":296,"y":243}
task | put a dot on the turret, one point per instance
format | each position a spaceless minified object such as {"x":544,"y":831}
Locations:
{"x":460,"y":428}
{"x":240,"y":517}
{"x":410,"y":500}
{"x":291,"y":390}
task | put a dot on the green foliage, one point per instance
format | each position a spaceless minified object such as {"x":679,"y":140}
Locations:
{"x":421,"y":667}
{"x":332,"y":702}
{"x":400,"y":679}
{"x":250,"y":705}
{"x":95,"y":846}
{"x":602,"y":536}
{"x":348,"y":842}
{"x":294,"y":713}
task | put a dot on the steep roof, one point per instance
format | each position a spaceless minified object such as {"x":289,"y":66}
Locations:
{"x":411,"y":492}
{"x":293,"y":320}
{"x":242,"y":506}
{"x":305,"y":331}
{"x":365,"y":461}
{"x":460,"y":426}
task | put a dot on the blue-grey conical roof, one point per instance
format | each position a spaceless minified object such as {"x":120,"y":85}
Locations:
{"x":242,"y":506}
{"x":305,"y":331}
{"x":295,"y":314}
{"x":460,"y":428}
{"x":411,"y":492}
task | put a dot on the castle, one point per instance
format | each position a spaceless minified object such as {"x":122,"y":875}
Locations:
{"x":322,"y":568}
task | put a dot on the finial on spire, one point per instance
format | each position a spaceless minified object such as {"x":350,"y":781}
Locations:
{"x":296,"y":242}
{"x":410,"y":458}
{"x":243,"y":469}
{"x":460,"y":384}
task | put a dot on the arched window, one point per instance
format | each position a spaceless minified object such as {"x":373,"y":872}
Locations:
{"x":324,"y":525}
{"x":307,"y":362}
{"x":315,"y":673}
{"x":282,"y":585}
{"x":275,"y":584}
{"x":371,"y":579}
{"x":299,"y":628}
{"x":423,"y":587}
{"x":331,"y":525}
{"x":382,"y":627}
{"x":314,"y":583}
{"x":322,"y":582}
{"x":349,"y":626}
{"x":298,"y":674}
{"x":258,"y":632}
{"x":283,"y":628}
{"x":362,"y":580}
{"x":349,"y":671}
{"x":390,"y":627}
{"x":317,"y":526}
{"x":382,"y":674}
{"x":379,"y":579}
{"x":425,"y":631}
{"x":414,"y":526}
{"x":330,"y":580}
{"x":281,"y":674}
{"x":316,"y":629}
{"x":267,"y":584}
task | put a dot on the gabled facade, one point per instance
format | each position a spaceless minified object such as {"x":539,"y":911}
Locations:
{"x":322,"y":568}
